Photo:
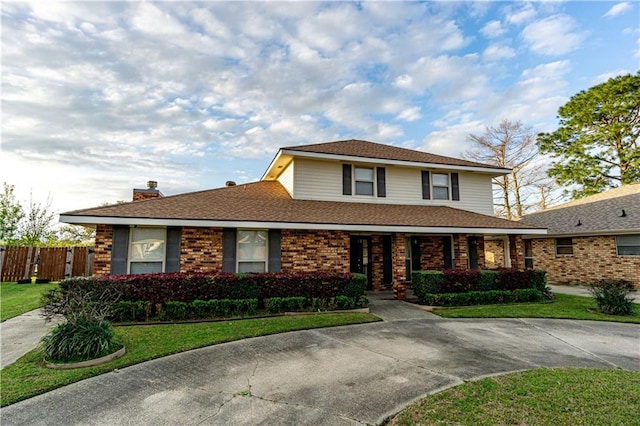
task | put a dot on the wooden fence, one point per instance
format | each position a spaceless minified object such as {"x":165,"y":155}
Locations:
{"x":54,"y":263}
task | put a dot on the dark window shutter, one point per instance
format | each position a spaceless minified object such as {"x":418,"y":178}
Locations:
{"x":172,"y":263}
{"x":381,"y":182}
{"x":275,"y":264}
{"x":229,"y":236}
{"x":426,"y":187}
{"x":346,"y":179}
{"x":455,"y":187}
{"x":120,"y":250}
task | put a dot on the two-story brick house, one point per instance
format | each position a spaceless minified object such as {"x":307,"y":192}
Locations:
{"x":340,"y":206}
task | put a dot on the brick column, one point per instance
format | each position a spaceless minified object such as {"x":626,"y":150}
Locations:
{"x":516,"y":251}
{"x":460,"y":251}
{"x":377,"y":263}
{"x":102,"y":250}
{"x":481,"y":259}
{"x":399,"y":266}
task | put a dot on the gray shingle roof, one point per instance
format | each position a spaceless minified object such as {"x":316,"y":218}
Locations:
{"x":598,"y":214}
{"x":270,"y":202}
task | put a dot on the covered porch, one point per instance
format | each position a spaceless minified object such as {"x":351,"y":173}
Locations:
{"x":389,"y":259}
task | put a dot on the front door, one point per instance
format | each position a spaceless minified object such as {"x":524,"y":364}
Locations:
{"x":361,"y":257}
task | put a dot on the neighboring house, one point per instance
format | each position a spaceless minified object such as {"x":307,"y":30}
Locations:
{"x":596,"y":237}
{"x":340,"y":206}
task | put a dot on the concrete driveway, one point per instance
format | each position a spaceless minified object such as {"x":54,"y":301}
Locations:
{"x":339,"y":376}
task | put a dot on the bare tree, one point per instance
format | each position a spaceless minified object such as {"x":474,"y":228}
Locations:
{"x":512,"y":145}
{"x":37,"y":228}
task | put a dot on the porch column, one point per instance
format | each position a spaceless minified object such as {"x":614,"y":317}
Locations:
{"x":516,"y":251}
{"x":399,"y":266}
{"x":377,"y":260}
{"x":481,"y":259}
{"x":461,"y":252}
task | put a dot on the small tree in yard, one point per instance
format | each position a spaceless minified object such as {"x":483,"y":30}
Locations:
{"x":11,"y":214}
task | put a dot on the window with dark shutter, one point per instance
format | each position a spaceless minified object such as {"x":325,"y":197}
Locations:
{"x":426,"y":186}
{"x":346,"y":179}
{"x":381,"y":181}
{"x":119,"y":250}
{"x":275,"y":251}
{"x":455,"y":187}
{"x":172,"y":263}
{"x":229,"y":250}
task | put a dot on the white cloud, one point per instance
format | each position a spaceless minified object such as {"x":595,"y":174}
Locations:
{"x":493,"y":29}
{"x":554,"y":35}
{"x":618,"y":9}
{"x":496,"y":52}
{"x":601,"y":78}
{"x":517,"y":17}
{"x":409,"y":114}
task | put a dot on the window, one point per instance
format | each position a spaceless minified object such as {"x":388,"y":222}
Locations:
{"x":440,"y":183}
{"x":364,"y":180}
{"x":367,"y":181}
{"x":252,"y":251}
{"x":628,"y":245}
{"x":147,"y":250}
{"x":564,"y":246}
{"x":528,"y":254}
{"x":408,"y":262}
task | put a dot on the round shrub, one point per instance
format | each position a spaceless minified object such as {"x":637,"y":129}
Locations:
{"x":80,"y":340}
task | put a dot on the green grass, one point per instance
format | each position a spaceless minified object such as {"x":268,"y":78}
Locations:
{"x":16,"y":299}
{"x":28,"y":376}
{"x":558,"y":397}
{"x":563,"y":306}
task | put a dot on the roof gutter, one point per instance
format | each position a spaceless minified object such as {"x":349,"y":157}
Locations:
{"x":92,"y":220}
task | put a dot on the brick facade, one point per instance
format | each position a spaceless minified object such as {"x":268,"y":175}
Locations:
{"x":102,"y":250}
{"x":431,"y":252}
{"x":593,"y":258}
{"x":399,"y":255}
{"x":315,"y":250}
{"x":494,"y":254}
{"x":461,"y":260}
{"x":201,"y":250}
{"x":377,"y":263}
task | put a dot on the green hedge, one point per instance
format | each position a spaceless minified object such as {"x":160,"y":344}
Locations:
{"x":483,"y":297}
{"x":461,"y":281}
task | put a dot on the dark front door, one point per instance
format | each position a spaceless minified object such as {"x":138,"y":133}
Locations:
{"x":447,"y":248}
{"x":472,"y":244}
{"x":361,"y":256}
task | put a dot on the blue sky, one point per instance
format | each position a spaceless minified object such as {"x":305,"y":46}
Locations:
{"x":98,"y":98}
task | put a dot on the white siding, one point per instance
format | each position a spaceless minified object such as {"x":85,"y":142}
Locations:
{"x":286,"y":178}
{"x":322,"y":180}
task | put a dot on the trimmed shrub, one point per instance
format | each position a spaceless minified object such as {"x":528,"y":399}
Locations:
{"x":612,"y":296}
{"x":176,"y":311}
{"x":488,"y":280}
{"x":538,"y":279}
{"x":126,"y":310}
{"x":469,"y":298}
{"x":426,"y":282}
{"x":277,"y":305}
{"x":460,"y":281}
{"x":357,"y":286}
{"x":527,"y":295}
{"x":512,"y":278}
{"x":345,"y":302}
{"x":81,"y":340}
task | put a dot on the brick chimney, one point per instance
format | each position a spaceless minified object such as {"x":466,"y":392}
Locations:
{"x":150,"y":192}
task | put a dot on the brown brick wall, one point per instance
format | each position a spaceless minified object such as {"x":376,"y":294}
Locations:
{"x":494,"y":254}
{"x":593,"y":258}
{"x":315,"y":250}
{"x":516,"y":251}
{"x":461,"y":260}
{"x":102,"y":250}
{"x":201,"y":250}
{"x":431,"y":252}
{"x":398,"y":249}
{"x":377,"y":263}
{"x":145,"y":195}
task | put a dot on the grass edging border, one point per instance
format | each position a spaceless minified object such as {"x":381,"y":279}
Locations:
{"x":89,"y":363}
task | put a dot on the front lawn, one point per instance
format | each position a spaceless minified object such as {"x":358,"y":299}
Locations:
{"x":28,"y":376}
{"x":16,"y":299}
{"x":564,"y":306}
{"x":558,"y":397}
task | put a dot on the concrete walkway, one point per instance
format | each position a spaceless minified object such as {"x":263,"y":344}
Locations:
{"x":21,"y":334}
{"x":358,"y":374}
